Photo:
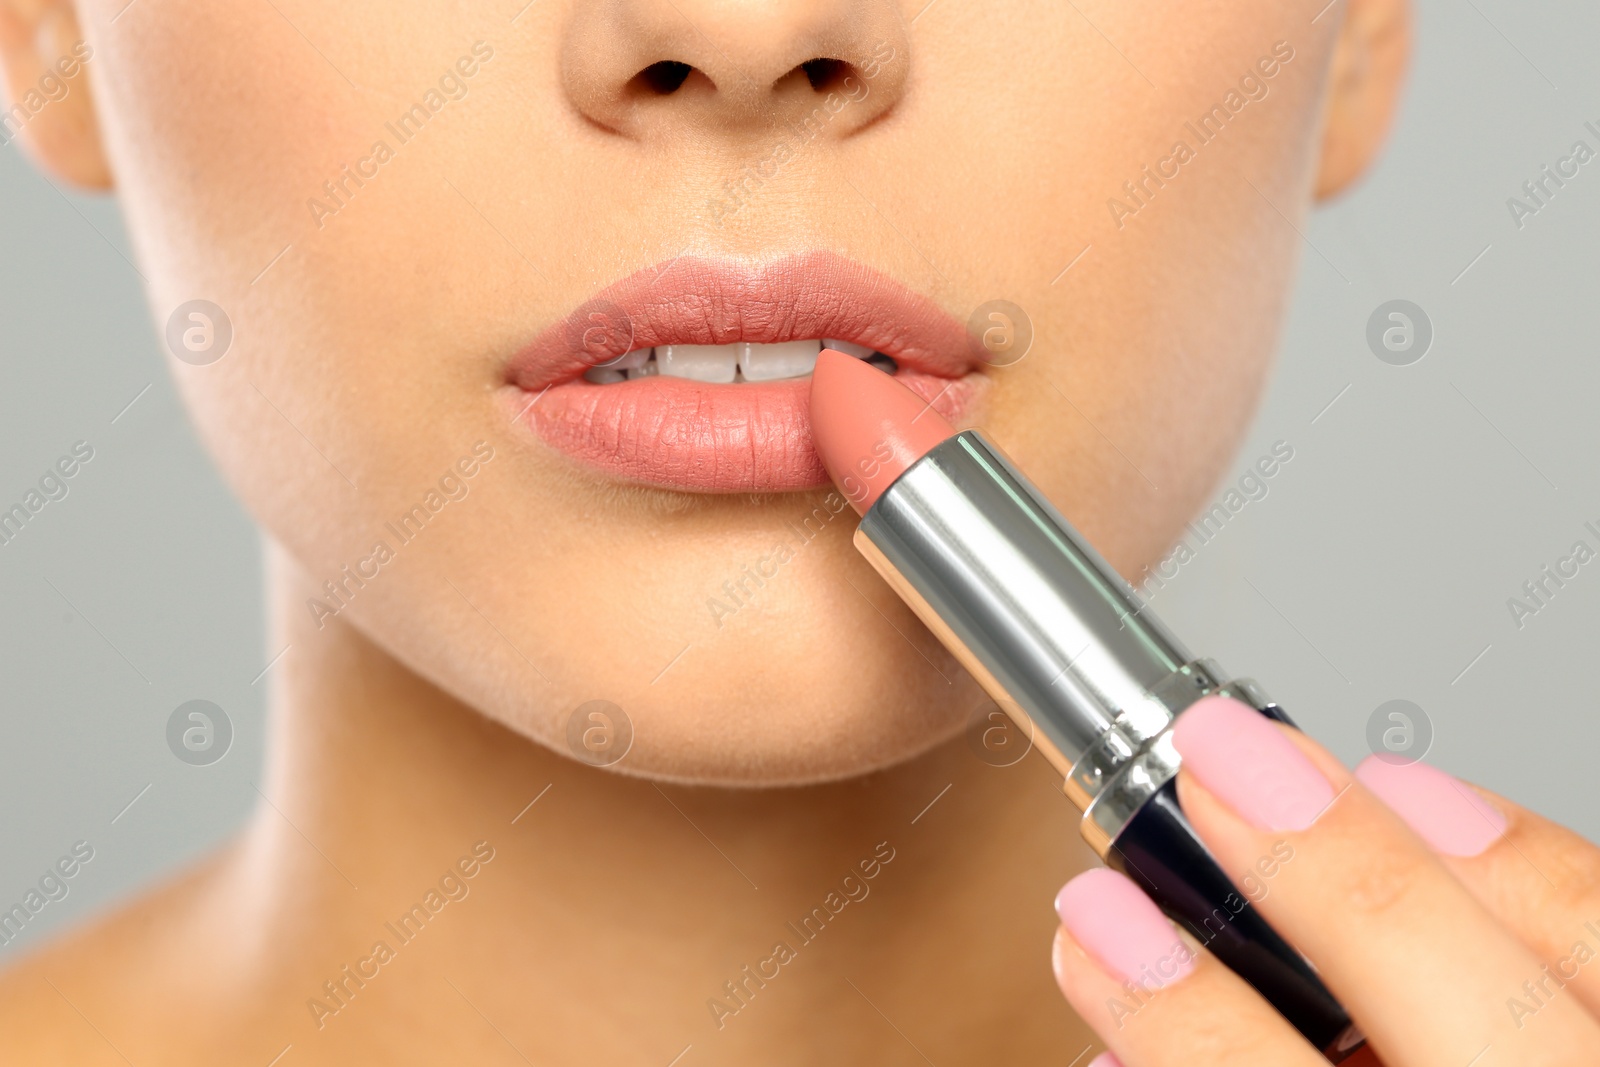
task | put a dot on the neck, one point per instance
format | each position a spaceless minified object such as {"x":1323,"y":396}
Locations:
{"x":459,"y":870}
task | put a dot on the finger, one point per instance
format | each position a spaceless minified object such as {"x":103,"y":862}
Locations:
{"x":1539,"y":879}
{"x":1157,"y":1000}
{"x":1421,"y":965}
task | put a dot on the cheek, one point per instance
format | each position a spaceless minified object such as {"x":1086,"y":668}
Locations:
{"x":1152,"y":338}
{"x":361,"y":341}
{"x":206,"y":108}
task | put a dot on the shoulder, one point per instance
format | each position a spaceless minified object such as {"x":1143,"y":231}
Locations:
{"x":97,"y":994}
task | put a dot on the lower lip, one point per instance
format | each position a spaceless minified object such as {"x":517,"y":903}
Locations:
{"x":674,"y":433}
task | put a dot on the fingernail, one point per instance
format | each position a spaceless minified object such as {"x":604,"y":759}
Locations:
{"x":1122,"y":930}
{"x":1451,"y":818}
{"x":1246,"y":762}
{"x":1105,"y":1059}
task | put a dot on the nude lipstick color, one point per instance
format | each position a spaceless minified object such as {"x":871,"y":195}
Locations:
{"x":711,"y":437}
{"x":1064,"y":645}
{"x":868,"y":437}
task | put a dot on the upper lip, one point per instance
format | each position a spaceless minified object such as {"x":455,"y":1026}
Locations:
{"x":695,"y":300}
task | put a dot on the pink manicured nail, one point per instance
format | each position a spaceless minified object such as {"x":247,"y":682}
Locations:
{"x":1248,"y":763}
{"x":1125,"y":933}
{"x":1105,"y":1059}
{"x":1446,"y":814}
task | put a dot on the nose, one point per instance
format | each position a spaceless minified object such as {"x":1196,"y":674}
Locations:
{"x":647,"y":67}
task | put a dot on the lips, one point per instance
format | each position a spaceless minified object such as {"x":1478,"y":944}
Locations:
{"x":678,"y":433}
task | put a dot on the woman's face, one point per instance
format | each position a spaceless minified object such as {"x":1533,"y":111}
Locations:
{"x":424,"y":221}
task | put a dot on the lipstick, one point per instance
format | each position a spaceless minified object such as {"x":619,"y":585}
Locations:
{"x":1065,"y":647}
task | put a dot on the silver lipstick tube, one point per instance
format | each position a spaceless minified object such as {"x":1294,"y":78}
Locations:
{"x":1066,"y":647}
{"x":1060,"y":641}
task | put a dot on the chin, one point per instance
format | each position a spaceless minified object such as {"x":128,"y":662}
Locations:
{"x":812,"y":715}
{"x":819,"y":684}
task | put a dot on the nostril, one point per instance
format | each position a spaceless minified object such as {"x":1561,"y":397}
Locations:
{"x":663,"y":78}
{"x":824,"y":73}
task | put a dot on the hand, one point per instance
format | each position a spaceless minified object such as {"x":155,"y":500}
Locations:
{"x":1458,"y":929}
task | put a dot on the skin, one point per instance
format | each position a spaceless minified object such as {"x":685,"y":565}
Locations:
{"x":368,"y":359}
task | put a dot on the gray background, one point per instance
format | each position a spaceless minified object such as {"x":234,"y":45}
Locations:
{"x":1378,"y":567}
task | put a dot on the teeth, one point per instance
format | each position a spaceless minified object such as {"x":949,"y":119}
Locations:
{"x":625,"y":366}
{"x":629,"y":360}
{"x":768,"y":363}
{"x":849,"y":348}
{"x":703,"y":363}
{"x":741,"y":361}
